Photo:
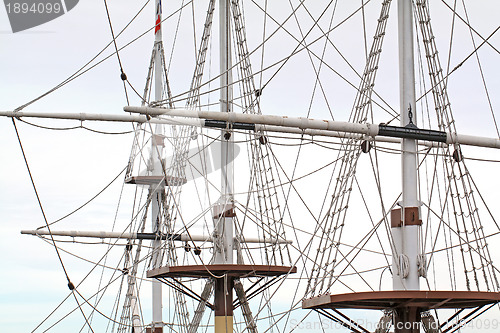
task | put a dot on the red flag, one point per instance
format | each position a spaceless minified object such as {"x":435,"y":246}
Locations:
{"x":158,"y":24}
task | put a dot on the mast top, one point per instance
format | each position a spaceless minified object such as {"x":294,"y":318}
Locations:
{"x":158,"y":35}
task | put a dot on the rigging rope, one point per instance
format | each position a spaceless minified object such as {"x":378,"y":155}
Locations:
{"x":462,"y":200}
{"x":123,"y":76}
{"x":334,"y":220}
{"x":81,"y":70}
{"x":70,"y":284}
{"x":481,"y":71}
{"x":73,"y":128}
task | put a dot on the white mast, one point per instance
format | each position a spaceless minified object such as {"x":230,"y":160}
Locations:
{"x":405,"y":269}
{"x":224,"y":223}
{"x":156,"y":191}
{"x":223,"y":213}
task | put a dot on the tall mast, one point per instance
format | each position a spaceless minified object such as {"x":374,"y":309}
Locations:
{"x":406,"y":226}
{"x":406,"y":235}
{"x":224,"y":209}
{"x":156,"y":191}
{"x":224,"y":256}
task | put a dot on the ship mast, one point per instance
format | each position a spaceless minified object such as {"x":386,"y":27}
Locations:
{"x":224,"y":227}
{"x":223,"y":210}
{"x":406,"y":235}
{"x":406,"y":227}
{"x":156,"y":190}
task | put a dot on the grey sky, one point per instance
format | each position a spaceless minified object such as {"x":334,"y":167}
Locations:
{"x":71,"y":166}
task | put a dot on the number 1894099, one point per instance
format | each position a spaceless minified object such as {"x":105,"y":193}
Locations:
{"x":41,"y":7}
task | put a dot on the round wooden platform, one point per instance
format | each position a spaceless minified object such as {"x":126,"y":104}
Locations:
{"x":208,"y":271}
{"x":425,"y":300}
{"x":156,"y":180}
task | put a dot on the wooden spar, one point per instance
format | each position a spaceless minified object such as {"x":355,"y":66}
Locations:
{"x":368,"y":130}
{"x":283,"y":121}
{"x":135,"y":235}
{"x":179,"y":119}
{"x":189,"y":122}
{"x":99,"y":117}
